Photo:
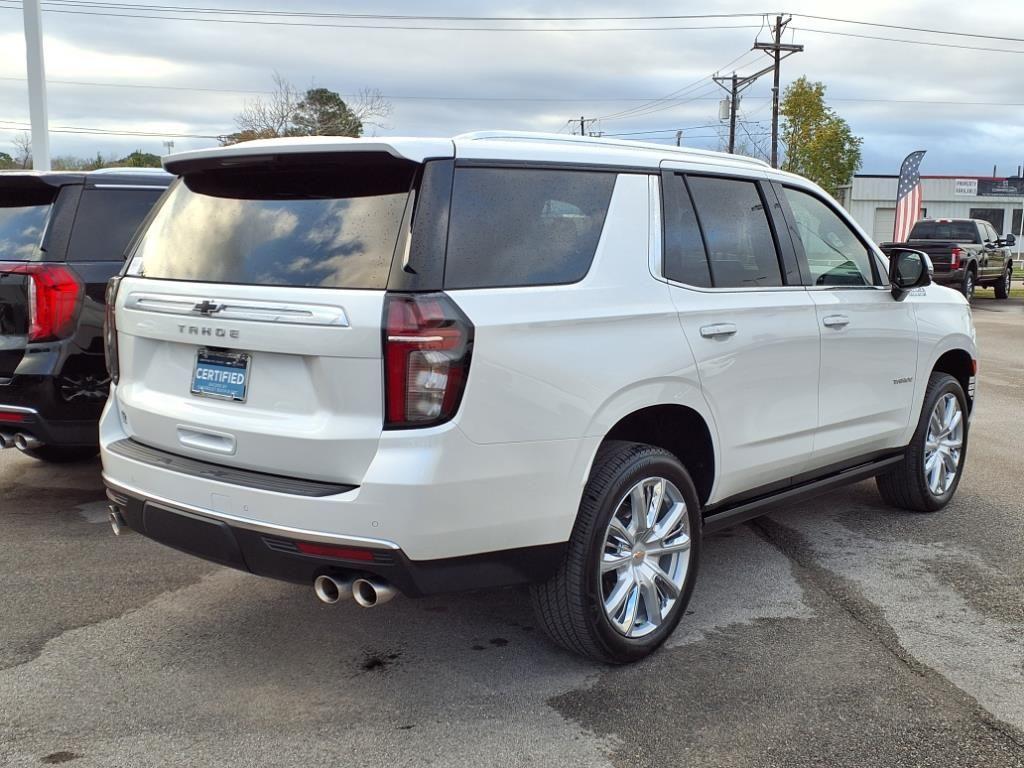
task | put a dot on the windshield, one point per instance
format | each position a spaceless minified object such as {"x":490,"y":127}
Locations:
{"x":23,"y":217}
{"x":330,"y":225}
{"x":955,"y":231}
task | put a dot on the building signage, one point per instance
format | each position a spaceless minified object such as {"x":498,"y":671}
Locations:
{"x":1012,"y":187}
{"x":966,"y":187}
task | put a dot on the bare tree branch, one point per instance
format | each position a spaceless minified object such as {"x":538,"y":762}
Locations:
{"x":23,"y":147}
{"x":371,"y":107}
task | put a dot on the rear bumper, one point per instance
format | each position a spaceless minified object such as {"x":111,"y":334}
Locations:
{"x":951,"y":277}
{"x":28,"y":419}
{"x":275,"y":552}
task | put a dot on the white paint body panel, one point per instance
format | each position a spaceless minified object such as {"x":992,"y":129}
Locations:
{"x":554,"y":368}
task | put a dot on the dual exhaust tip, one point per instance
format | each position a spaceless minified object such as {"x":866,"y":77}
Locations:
{"x":366,"y":592}
{"x":20,"y":440}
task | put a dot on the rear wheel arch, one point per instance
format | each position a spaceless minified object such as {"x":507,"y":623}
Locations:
{"x":678,"y":429}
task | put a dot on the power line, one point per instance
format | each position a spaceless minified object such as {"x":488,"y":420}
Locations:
{"x":910,"y":29}
{"x":14,"y":125}
{"x":910,"y":42}
{"x":393,"y":27}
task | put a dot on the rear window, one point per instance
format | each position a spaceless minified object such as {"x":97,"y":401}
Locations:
{"x":516,"y":227}
{"x":106,"y":221}
{"x":955,"y":231}
{"x":23,"y":215}
{"x":328,"y":225}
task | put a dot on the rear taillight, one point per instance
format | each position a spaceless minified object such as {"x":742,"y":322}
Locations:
{"x":427,"y":345}
{"x":955,"y":255}
{"x":54,"y":299}
{"x":110,"y":331}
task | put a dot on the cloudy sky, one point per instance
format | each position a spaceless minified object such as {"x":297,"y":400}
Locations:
{"x":181,"y":79}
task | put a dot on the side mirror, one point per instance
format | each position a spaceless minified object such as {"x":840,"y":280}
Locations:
{"x":908,"y":269}
{"x":1011,"y":239}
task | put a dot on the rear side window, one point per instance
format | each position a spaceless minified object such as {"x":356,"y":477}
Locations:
{"x":23,"y":216}
{"x":740,"y":246}
{"x":954,"y":231}
{"x":685,"y":258}
{"x":106,"y":221}
{"x":328,"y":224}
{"x":516,"y":227}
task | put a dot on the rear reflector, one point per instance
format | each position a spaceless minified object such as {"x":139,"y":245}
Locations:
{"x":329,"y":550}
{"x":427,"y":345}
{"x":11,"y":418}
{"x":955,"y":255}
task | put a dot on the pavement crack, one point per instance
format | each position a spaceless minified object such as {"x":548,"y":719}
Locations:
{"x":850,"y":598}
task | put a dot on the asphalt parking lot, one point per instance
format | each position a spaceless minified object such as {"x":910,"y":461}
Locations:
{"x":837,"y":632}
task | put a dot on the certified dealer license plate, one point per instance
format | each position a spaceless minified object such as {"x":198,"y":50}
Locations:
{"x":221,"y":373}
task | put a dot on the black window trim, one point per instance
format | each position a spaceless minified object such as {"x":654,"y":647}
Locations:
{"x":798,"y":247}
{"x":762,"y":185}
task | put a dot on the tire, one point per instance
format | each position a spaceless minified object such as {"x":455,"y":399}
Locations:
{"x":62,"y":454}
{"x":968,"y":284}
{"x":1003,"y":286}
{"x":571,"y":606}
{"x":910,"y":484}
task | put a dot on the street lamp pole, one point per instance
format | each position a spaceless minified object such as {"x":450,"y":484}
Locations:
{"x":36,"y":85}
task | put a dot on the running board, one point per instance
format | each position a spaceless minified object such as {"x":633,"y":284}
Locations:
{"x":730,"y":515}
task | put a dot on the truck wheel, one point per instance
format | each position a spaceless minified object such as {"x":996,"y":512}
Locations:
{"x":927,"y":478}
{"x":1003,"y":286}
{"x":632,"y":558}
{"x":62,"y":454}
{"x":967,"y":285}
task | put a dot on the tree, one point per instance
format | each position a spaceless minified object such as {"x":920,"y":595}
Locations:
{"x":818,"y":143}
{"x":23,"y":146}
{"x":317,"y":112}
{"x":6,"y":162}
{"x":140,"y":159}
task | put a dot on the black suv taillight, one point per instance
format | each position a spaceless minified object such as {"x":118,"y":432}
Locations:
{"x":427,"y":346}
{"x":110,"y":331}
{"x":54,"y":299}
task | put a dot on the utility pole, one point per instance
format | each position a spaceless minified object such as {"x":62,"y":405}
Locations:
{"x":583,"y":124}
{"x":734,"y":107}
{"x":169,"y":146}
{"x":679,"y":138}
{"x":36,"y":85}
{"x":775,"y":49}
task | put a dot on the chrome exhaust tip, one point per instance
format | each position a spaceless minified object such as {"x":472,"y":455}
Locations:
{"x":117,"y":523}
{"x":6,"y":440}
{"x":24,"y":442}
{"x":370,"y":593}
{"x":330,"y":590}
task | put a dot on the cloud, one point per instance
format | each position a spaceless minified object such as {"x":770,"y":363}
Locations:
{"x":567,"y":74}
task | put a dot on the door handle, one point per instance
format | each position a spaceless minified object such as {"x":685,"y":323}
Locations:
{"x":717,"y":331}
{"x":836,"y":321}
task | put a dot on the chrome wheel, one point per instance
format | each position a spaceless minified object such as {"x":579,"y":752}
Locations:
{"x":943,"y":448}
{"x":969,"y":285}
{"x":645,"y":557}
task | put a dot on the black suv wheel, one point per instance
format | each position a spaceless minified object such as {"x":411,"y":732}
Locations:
{"x":632,"y":558}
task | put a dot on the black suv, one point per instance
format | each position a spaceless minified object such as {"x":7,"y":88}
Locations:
{"x":62,"y":236}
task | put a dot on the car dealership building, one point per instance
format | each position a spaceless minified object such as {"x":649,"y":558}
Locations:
{"x":871,"y":200}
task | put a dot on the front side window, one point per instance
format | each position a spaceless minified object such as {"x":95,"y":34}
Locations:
{"x":319,"y":224}
{"x":106,"y":221}
{"x":740,"y":246}
{"x":516,"y":226}
{"x":23,"y":216}
{"x":835,"y":255}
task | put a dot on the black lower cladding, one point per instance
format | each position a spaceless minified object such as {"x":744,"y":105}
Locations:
{"x":279,"y":558}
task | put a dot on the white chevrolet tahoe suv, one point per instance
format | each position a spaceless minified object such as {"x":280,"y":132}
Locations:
{"x":421,"y":365}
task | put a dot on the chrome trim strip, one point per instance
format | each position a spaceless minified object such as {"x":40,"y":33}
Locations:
{"x":158,"y":187}
{"x":254,"y":311}
{"x":252,"y":525}
{"x":19,"y":409}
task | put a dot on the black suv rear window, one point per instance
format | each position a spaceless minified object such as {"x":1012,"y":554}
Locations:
{"x":324,"y":224}
{"x":515,"y":227}
{"x":106,"y":221}
{"x":23,"y":215}
{"x":954,"y":231}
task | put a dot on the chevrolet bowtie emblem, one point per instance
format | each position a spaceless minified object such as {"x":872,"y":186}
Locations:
{"x":207,"y":307}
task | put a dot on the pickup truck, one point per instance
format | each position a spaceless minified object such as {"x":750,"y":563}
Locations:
{"x":966,"y":253}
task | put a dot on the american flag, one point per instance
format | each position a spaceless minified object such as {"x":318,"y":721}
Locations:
{"x":908,"y":196}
